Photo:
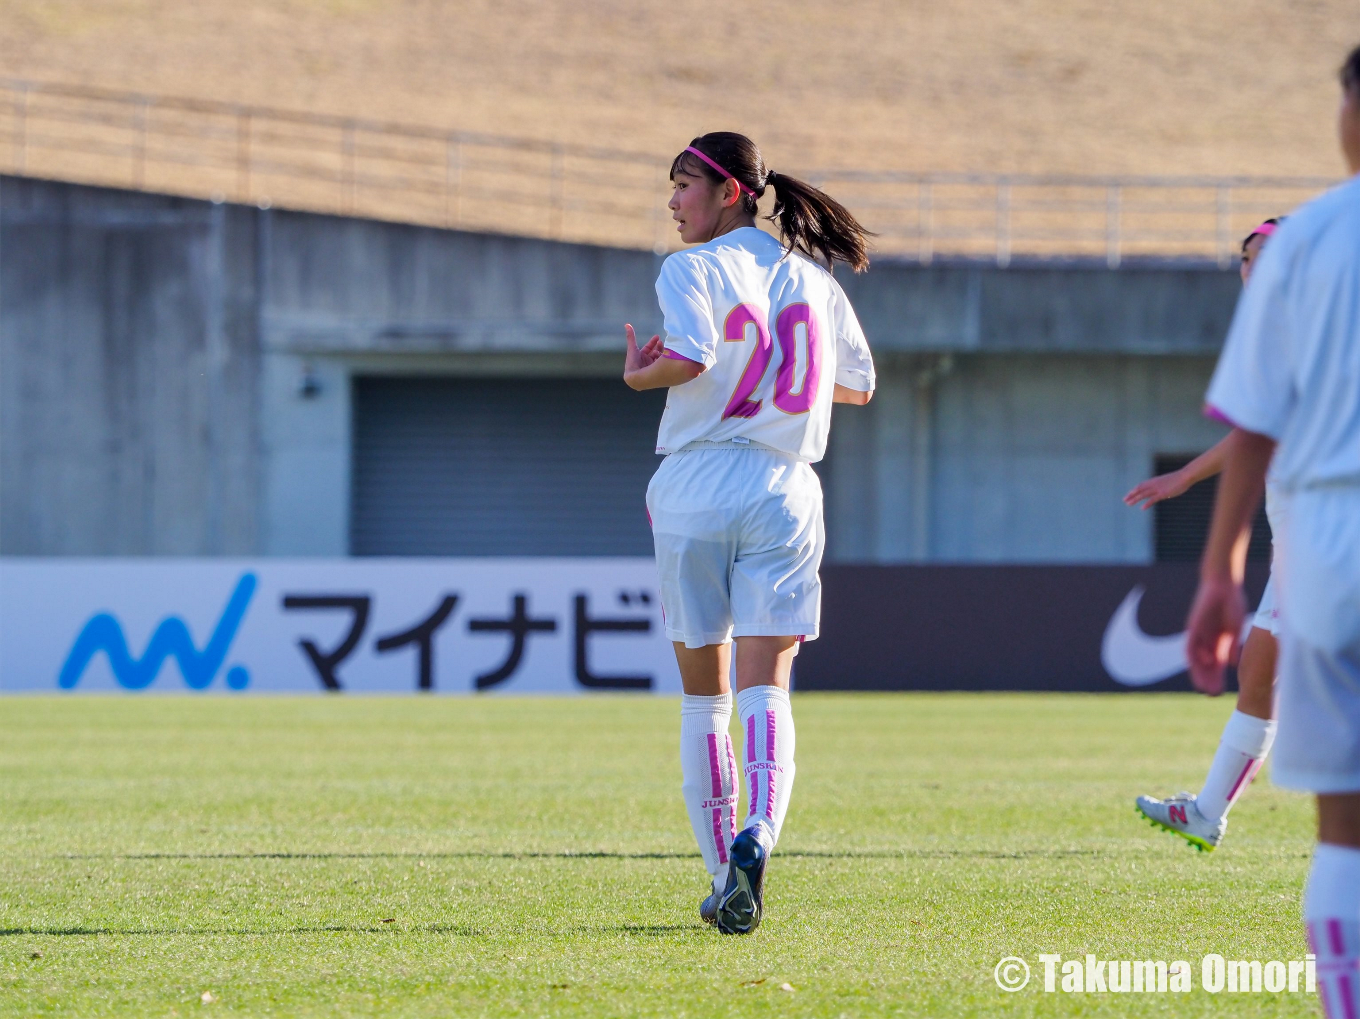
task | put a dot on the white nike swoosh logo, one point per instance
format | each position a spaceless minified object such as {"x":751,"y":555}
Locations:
{"x":1134,"y":658}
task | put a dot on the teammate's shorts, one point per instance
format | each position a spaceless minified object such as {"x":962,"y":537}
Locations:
{"x":1268,"y":612}
{"x":1317,"y":744}
{"x":739,"y":540}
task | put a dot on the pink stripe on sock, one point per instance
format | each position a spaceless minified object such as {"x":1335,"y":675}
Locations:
{"x":1243,"y":778}
{"x":1326,"y":998}
{"x":769,"y":756}
{"x":732,"y":771}
{"x":714,"y":770}
{"x":1343,"y":987}
{"x":1338,"y":939}
{"x":753,"y":778}
{"x":718,"y":839}
{"x":1311,"y":937}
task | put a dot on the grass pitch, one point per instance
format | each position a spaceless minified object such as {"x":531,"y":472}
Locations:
{"x":531,"y":857}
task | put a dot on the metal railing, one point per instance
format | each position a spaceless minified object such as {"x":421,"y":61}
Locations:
{"x":1003,"y":217}
{"x":477,"y":181}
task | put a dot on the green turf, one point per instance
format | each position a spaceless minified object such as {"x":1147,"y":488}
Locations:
{"x":529,"y":857}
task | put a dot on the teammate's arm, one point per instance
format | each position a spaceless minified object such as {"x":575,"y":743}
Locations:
{"x":1215,"y":624}
{"x":648,"y":368}
{"x":844,"y":394}
{"x":1174,"y":483}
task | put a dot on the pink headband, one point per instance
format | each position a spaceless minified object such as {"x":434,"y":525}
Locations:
{"x":1264,"y":230}
{"x":726,"y":175}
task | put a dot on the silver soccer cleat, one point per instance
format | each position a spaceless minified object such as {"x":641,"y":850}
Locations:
{"x":1180,"y":815}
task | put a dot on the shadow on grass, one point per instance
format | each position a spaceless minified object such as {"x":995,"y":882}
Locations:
{"x":635,"y":929}
{"x":475,"y":855}
{"x":380,"y":928}
{"x":795,"y":854}
{"x":650,"y":929}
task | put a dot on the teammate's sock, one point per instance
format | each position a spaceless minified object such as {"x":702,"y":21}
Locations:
{"x":709,"y":773}
{"x":1245,"y":743}
{"x":1331,"y":915}
{"x":767,"y":721}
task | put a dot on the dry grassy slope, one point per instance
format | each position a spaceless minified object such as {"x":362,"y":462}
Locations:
{"x":1162,"y":86}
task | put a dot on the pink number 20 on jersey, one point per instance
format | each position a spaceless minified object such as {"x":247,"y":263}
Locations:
{"x":786,"y":397}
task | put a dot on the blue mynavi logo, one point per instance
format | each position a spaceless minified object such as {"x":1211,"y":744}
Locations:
{"x":104,"y":633}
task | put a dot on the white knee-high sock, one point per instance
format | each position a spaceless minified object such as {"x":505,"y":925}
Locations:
{"x":767,"y":722}
{"x":1242,"y":749}
{"x":1331,"y":914}
{"x":709,"y":781}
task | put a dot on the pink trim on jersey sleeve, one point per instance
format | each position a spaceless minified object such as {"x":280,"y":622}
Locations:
{"x":674,"y":356}
{"x":1214,"y":414}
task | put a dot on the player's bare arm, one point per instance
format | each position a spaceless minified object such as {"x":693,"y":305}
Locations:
{"x":648,"y":368}
{"x":1215,"y":624}
{"x":1207,"y":464}
{"x":844,"y":394}
{"x":1167,"y":486}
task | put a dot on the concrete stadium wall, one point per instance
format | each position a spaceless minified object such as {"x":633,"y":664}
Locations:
{"x":174,"y":377}
{"x":1009,"y":457}
{"x":129,"y":374}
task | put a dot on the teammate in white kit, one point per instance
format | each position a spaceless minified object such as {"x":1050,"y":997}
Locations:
{"x":760,"y":341}
{"x":1289,"y":378}
{"x":1202,"y":820}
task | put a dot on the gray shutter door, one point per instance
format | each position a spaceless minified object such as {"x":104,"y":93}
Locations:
{"x":502,"y":466}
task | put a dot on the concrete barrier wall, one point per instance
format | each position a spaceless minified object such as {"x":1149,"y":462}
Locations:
{"x":1009,"y":457}
{"x":176,"y":377}
{"x":130,"y":382}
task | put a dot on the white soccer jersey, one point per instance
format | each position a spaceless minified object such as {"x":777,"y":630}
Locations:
{"x":774,"y":332}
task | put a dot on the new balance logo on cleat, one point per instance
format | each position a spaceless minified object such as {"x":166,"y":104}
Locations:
{"x":1180,"y":815}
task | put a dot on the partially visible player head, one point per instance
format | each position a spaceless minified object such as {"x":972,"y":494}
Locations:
{"x":1348,"y":118}
{"x":719,"y":178}
{"x":1252,"y":245}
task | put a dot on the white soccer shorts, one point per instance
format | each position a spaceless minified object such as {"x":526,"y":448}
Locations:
{"x":1268,"y":612}
{"x":1317,"y":745}
{"x":739,"y":539}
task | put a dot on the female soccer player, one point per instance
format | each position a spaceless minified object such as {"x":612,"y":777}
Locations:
{"x":1289,"y":378}
{"x":760,"y":341}
{"x":1202,"y":820}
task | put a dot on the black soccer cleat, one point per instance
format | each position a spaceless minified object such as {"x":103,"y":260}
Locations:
{"x":741,"y":902}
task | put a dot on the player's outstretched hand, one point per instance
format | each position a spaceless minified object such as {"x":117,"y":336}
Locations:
{"x":1154,"y":490}
{"x":636,"y":358}
{"x":1214,"y":632}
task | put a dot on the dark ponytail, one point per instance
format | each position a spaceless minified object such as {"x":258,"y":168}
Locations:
{"x":809,"y":220}
{"x":1350,"y":72}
